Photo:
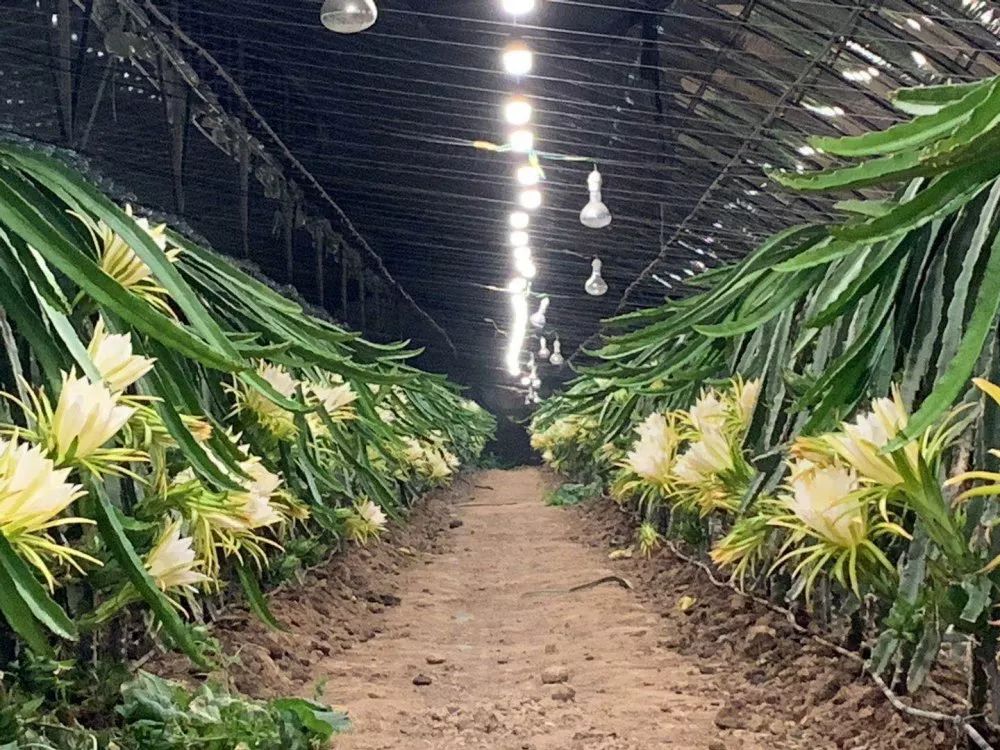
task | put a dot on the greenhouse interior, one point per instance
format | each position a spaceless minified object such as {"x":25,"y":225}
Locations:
{"x":499,"y":374}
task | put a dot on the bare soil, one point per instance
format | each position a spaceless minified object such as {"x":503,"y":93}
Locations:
{"x":457,"y":631}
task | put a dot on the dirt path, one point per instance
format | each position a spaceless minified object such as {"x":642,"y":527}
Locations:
{"x":450,"y":633}
{"x":474,"y":623}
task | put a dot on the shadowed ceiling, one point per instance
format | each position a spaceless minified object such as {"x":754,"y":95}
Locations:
{"x":681,"y":104}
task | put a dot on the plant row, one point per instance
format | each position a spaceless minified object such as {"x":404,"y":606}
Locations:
{"x":172,"y":426}
{"x":821,"y":417}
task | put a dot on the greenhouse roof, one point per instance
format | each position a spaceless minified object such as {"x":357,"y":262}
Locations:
{"x":682,"y":105}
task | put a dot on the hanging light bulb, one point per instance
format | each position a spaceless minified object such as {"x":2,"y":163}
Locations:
{"x":518,"y":7}
{"x":517,"y":111}
{"x":522,"y":254}
{"x":522,"y":141}
{"x":519,"y":303}
{"x":518,"y":58}
{"x":518,"y":238}
{"x":538,"y":318}
{"x":348,"y":16}
{"x":530,"y":199}
{"x":519,"y":220}
{"x":595,"y":214}
{"x":526,"y":267}
{"x":517,"y":285}
{"x":596,"y":286}
{"x":526,"y":380}
{"x":543,"y":349}
{"x":527,"y":175}
{"x":557,"y":357}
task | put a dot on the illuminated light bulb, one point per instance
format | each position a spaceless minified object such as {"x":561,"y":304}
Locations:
{"x":557,"y":357}
{"x":518,"y":7}
{"x":527,"y":175}
{"x":519,"y":220}
{"x":526,"y":268}
{"x":519,"y":238}
{"x":595,"y":214}
{"x":596,"y":286}
{"x":518,"y":58}
{"x":348,"y":16}
{"x":525,"y":380}
{"x":543,"y":349}
{"x":536,"y":383}
{"x":521,"y":141}
{"x":538,"y":318}
{"x":522,"y":254}
{"x":518,"y":327}
{"x":518,"y":111}
{"x":530,"y":199}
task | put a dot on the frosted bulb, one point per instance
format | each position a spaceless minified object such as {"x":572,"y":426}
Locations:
{"x":518,"y":58}
{"x":348,"y":16}
{"x":595,"y":214}
{"x":519,"y":220}
{"x":538,"y":318}
{"x":596,"y":286}
{"x":518,"y":111}
{"x":530,"y":199}
{"x":557,"y":357}
{"x":518,"y":7}
{"x":543,"y":349}
{"x":522,"y":254}
{"x":527,"y":175}
{"x":519,"y":238}
{"x":522,"y":141}
{"x":526,"y":268}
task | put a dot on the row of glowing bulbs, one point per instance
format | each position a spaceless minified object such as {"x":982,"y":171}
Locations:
{"x":518,"y":60}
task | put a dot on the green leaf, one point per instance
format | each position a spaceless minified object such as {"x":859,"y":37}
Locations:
{"x":255,"y":598}
{"x":921,"y":100}
{"x":26,"y":211}
{"x":942,"y":197}
{"x":907,"y":135}
{"x":956,"y":377}
{"x":322,"y":721}
{"x":787,"y":290}
{"x":76,"y":190}
{"x":977,"y":602}
{"x":18,"y":615}
{"x":113,"y":535}
{"x":924,"y":655}
{"x":897,"y":167}
{"x":35,"y":596}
